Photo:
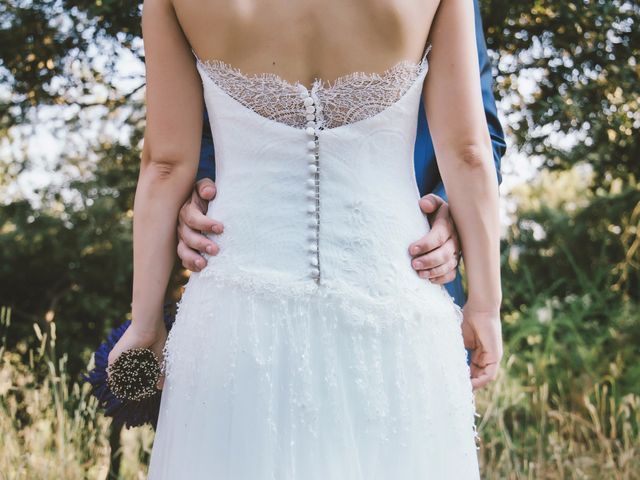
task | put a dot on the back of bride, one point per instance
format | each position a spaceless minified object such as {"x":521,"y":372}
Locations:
{"x":308,"y":348}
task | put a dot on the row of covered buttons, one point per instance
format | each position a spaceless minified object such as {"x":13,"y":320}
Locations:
{"x":313,"y":183}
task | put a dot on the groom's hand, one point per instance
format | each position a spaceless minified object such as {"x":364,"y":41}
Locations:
{"x":193,"y":224}
{"x":436,"y":255}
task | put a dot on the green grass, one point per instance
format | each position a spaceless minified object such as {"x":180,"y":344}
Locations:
{"x":527,"y":432}
{"x":541,"y":419}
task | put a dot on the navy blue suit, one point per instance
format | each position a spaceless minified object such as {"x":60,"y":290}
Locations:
{"x":426,"y":168}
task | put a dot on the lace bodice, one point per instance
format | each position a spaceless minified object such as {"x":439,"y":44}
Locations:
{"x":307,"y":169}
{"x":350,"y":98}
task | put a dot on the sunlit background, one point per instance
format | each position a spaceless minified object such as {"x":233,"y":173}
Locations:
{"x":567,"y":79}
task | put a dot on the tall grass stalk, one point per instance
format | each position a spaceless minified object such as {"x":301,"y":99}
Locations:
{"x":49,"y":426}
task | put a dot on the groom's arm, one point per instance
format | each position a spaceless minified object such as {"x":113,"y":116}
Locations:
{"x":207,"y":164}
{"x":486,"y":78}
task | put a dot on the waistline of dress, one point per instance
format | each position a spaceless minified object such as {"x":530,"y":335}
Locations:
{"x":399,"y":304}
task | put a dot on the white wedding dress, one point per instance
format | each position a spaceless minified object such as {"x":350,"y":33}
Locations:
{"x":308,"y":348}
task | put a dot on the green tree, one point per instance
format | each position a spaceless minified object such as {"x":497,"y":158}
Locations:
{"x":582,"y":59}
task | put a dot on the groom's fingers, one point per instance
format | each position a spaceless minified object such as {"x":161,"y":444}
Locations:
{"x":446,"y":278}
{"x":438,"y":265}
{"x":441,"y":230}
{"x":430,"y":203}
{"x":194,"y":218}
{"x":441,"y":222}
{"x":192,"y":221}
{"x":191,"y":259}
{"x":431,"y":241}
{"x":206,"y":189}
{"x":435,"y":255}
{"x":197,"y":241}
{"x":438,"y":261}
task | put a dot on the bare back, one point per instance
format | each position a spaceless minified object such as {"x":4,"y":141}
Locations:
{"x":307,"y":39}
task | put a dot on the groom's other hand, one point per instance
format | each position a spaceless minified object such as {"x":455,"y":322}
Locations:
{"x":435,"y":256}
{"x":193,"y":224}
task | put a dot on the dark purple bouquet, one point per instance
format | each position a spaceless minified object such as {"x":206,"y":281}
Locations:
{"x":126,"y":390}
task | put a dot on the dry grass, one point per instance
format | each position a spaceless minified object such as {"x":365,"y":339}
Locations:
{"x":49,"y":428}
{"x":523,"y":436}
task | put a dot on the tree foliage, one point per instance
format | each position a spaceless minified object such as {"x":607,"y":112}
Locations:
{"x":567,"y":75}
{"x":583,"y":56}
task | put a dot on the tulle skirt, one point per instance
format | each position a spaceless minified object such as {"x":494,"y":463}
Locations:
{"x":282,"y":382}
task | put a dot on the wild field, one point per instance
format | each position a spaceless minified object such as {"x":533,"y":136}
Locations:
{"x":542,"y":419}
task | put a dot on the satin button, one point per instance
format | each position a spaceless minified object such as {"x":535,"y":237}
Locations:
{"x":310,"y":109}
{"x":303,"y":89}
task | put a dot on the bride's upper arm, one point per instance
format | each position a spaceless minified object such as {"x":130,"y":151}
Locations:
{"x":452,"y":89}
{"x":173,"y":89}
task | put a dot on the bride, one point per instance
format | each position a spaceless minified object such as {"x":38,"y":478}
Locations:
{"x":308,"y":348}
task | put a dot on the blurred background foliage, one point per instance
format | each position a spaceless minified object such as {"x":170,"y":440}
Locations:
{"x":568,"y":82}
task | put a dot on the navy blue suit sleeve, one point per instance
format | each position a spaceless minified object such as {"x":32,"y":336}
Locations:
{"x":486,"y":79}
{"x":207,"y":165}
